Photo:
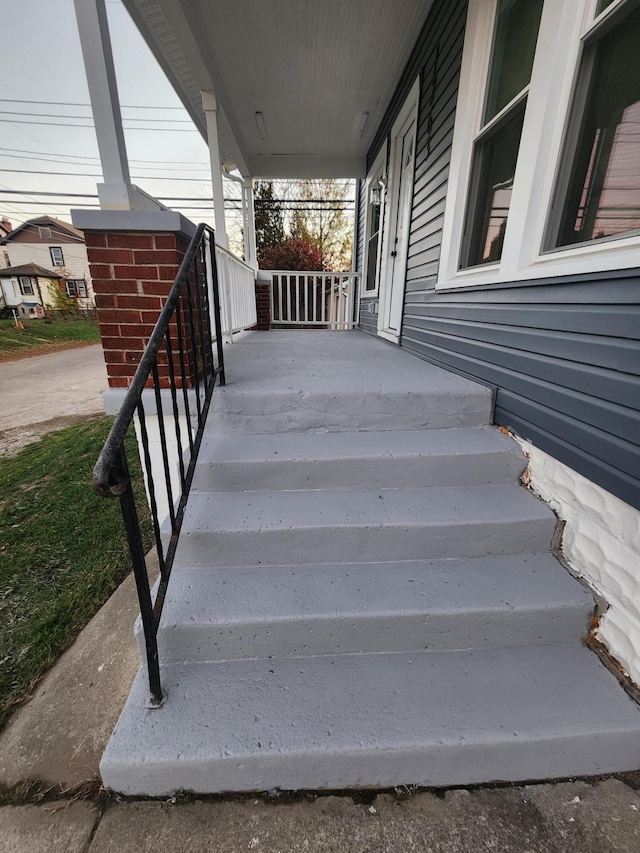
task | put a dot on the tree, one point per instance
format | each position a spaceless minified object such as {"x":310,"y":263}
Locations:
{"x":269,"y":219}
{"x":321,"y":219}
{"x":293,"y":253}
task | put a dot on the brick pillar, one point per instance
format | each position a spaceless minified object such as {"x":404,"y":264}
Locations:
{"x":132,"y":274}
{"x":263,"y":306}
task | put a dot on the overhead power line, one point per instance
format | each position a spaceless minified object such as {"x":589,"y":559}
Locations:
{"x":90,"y":118}
{"x":77,"y":104}
{"x":90,"y":126}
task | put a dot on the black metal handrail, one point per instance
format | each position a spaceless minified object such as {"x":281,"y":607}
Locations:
{"x":180,"y":347}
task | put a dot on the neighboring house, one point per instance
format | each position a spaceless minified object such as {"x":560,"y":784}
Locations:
{"x":29,"y":289}
{"x":497,"y":236}
{"x":51,"y":243}
{"x":5,"y":228}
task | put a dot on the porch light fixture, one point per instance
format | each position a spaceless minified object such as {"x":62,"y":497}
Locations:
{"x":376,"y":191}
{"x":262,"y":128}
{"x":362,"y":123}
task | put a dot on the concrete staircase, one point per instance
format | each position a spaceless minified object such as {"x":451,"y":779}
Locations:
{"x":368,"y":606}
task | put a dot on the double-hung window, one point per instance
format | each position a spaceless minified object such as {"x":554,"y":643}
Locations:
{"x":495,"y":151}
{"x":56,"y":256}
{"x":597,"y":194}
{"x":545,"y":164}
{"x":26,"y":285}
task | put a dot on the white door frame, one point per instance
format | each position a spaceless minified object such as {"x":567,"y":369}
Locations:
{"x":390,"y":310}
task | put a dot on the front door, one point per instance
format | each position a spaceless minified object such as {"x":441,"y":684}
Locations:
{"x":397,"y":244}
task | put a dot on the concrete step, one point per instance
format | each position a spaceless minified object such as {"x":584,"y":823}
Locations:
{"x":296,"y":611}
{"x":367,"y":721}
{"x":361,"y":525}
{"x":386,"y":459}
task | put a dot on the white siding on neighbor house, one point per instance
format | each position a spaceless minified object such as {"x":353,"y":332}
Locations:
{"x":76,"y":264}
{"x":601,"y":543}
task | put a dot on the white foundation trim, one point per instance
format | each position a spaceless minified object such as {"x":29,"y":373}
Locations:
{"x":601,"y":543}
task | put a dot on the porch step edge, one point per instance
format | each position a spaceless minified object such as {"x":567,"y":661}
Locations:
{"x":387,"y":458}
{"x":362,"y":525}
{"x":369,"y":721}
{"x":298,"y":611}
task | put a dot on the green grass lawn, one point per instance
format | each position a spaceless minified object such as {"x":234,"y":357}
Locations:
{"x":38,"y":334}
{"x":62,"y":551}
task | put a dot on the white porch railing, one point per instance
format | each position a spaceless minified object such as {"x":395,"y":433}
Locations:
{"x":237,"y":293}
{"x":323,"y":299}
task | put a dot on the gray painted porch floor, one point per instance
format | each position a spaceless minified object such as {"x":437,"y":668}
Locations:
{"x":345,"y":683}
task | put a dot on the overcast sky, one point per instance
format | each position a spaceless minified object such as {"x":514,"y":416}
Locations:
{"x":41,"y":64}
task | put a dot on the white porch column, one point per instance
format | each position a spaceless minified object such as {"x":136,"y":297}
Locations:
{"x":117,"y":191}
{"x":210,"y":107}
{"x":249,"y":225}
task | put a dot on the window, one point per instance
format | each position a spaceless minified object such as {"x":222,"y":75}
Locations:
{"x":598,"y":189}
{"x":375,"y":203}
{"x":26,"y":285}
{"x":56,"y":256}
{"x":544,"y":179}
{"x":496,"y":147}
{"x":76,"y":288}
{"x":45,"y":233}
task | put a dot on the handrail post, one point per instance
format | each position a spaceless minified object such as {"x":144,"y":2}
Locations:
{"x":212,"y":270}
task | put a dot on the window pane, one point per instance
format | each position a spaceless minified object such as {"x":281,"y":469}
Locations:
{"x":514,"y":46}
{"x":603,"y":197}
{"x":492,"y":180}
{"x":602,"y":5}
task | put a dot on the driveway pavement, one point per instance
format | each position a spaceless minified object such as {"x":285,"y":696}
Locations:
{"x":47,"y":392}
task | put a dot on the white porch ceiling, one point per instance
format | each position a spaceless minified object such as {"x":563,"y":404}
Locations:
{"x":311,"y":67}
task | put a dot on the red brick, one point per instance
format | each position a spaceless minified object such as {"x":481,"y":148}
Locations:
{"x":109,"y":330}
{"x":165,"y":241}
{"x":95,"y":238}
{"x":157,"y":256}
{"x":115,"y":285}
{"x":150,"y":317}
{"x":118,"y":382}
{"x":105,"y":300}
{"x":121,"y":369}
{"x":123,"y":342}
{"x":111,"y":256}
{"x":167,"y":273}
{"x":113,"y":356}
{"x":130,"y":241}
{"x":155,"y":288}
{"x":135,"y":271}
{"x":100,"y":270}
{"x":135,"y":330}
{"x":119,"y":315}
{"x":139,"y":302}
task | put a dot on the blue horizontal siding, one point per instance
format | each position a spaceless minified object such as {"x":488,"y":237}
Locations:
{"x":563,"y":354}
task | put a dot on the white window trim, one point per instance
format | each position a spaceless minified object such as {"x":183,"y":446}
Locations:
{"x":556,"y":65}
{"x":377,"y":172}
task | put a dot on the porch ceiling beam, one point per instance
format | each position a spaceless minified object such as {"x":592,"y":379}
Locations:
{"x":307,"y":166}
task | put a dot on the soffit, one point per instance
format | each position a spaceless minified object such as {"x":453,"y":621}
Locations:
{"x":311,"y":67}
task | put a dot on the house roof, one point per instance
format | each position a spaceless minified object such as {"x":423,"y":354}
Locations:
{"x":46,"y":222}
{"x":321,"y":74}
{"x":29,"y":269}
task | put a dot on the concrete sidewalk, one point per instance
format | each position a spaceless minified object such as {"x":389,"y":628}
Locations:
{"x":55,"y":742}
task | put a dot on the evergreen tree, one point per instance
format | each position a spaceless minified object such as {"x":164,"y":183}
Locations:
{"x":269,"y":218}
